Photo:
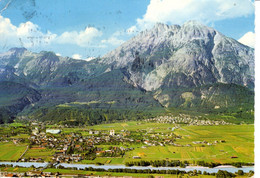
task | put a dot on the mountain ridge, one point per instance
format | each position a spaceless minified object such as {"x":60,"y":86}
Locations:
{"x":168,"y":66}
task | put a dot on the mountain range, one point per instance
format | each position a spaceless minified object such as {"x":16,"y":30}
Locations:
{"x":189,"y":67}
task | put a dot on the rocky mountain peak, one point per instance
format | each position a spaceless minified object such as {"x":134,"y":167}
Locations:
{"x":160,"y":37}
{"x":161,"y":27}
{"x":192,"y":54}
{"x":195,"y":30}
{"x":17,"y":51}
{"x":160,"y":30}
{"x":48,"y":55}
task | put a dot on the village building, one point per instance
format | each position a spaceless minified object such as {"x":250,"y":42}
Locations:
{"x":35,"y":131}
{"x":91,"y":132}
{"x":53,"y":131}
{"x":136,"y":157}
{"x":112,"y":132}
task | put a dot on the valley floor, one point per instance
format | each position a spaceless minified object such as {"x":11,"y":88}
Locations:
{"x":126,"y":142}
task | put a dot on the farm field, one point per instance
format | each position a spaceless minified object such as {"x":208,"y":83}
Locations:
{"x":24,"y":136}
{"x":10,"y":151}
{"x":16,"y":169}
{"x":207,"y":154}
{"x":239,"y":143}
{"x":133,"y":126}
{"x":43,"y":153}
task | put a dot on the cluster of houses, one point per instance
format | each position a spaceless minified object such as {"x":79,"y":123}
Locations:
{"x":71,"y":147}
{"x":29,"y":174}
{"x":208,"y":143}
{"x":186,"y":119}
{"x":63,"y":157}
{"x":112,"y":151}
{"x":160,"y":139}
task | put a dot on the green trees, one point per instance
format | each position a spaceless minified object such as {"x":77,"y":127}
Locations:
{"x":69,"y":150}
{"x":224,"y":174}
{"x":74,"y":116}
{"x":240,"y":172}
{"x":157,"y":163}
{"x":206,"y":164}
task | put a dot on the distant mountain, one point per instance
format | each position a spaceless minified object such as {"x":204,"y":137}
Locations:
{"x":44,"y":68}
{"x":188,"y":66}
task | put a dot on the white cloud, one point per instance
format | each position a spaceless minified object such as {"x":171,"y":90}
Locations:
{"x":132,"y":30}
{"x":27,"y":34}
{"x":79,"y":57}
{"x":113,"y":41}
{"x":82,"y":38}
{"x":206,"y":11}
{"x":30,"y":35}
{"x":248,"y":39}
{"x":7,"y":30}
{"x":76,"y":56}
{"x":58,"y":54}
{"x":89,"y":58}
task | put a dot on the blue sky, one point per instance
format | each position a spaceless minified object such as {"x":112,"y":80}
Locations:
{"x":90,"y":28}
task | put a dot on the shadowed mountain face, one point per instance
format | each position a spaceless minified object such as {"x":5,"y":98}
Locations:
{"x":14,"y":97}
{"x":188,"y":66}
